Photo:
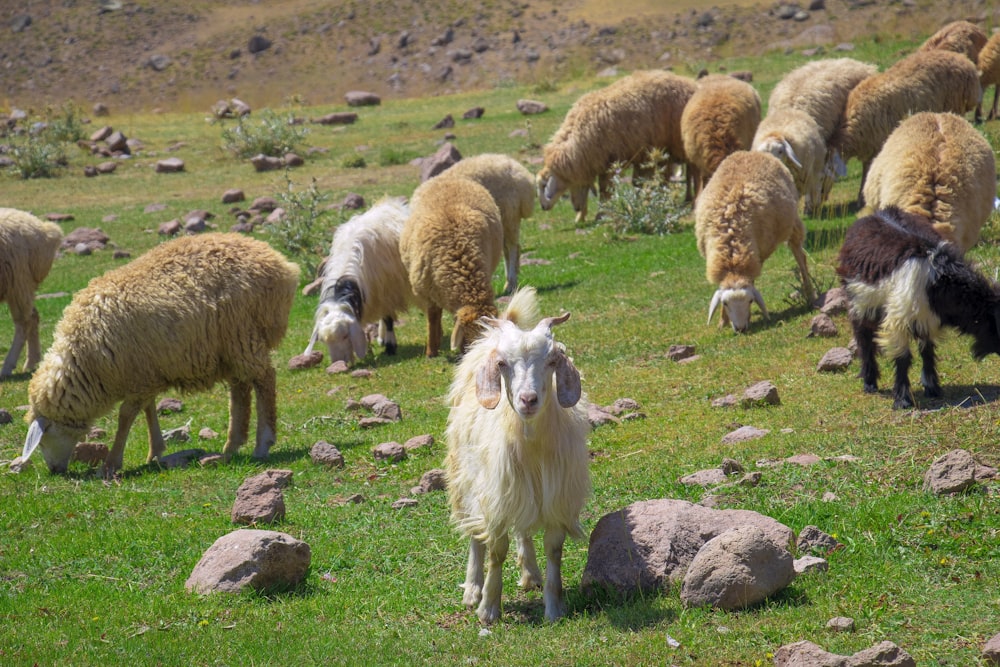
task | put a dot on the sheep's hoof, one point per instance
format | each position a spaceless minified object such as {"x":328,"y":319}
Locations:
{"x":488,"y":614}
{"x":473,"y":596}
{"x":530,"y":582}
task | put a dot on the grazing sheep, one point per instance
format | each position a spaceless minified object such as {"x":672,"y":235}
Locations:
{"x":931,"y":80}
{"x":793,"y":137}
{"x":187,"y":314}
{"x":450,"y":246}
{"x":961,"y":37}
{"x":904,"y":282}
{"x":989,"y":68}
{"x":364,"y":281}
{"x":27,"y":249}
{"x":620,"y":123}
{"x":936,"y":165}
{"x":513,"y":189}
{"x":748,"y":208}
{"x":517,"y":454}
{"x":720,"y":118}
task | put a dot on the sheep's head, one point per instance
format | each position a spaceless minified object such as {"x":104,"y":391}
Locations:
{"x":528,"y":361}
{"x":735,"y":302}
{"x":549,"y":188}
{"x":57,"y":442}
{"x":779,"y":147}
{"x":468,"y":326}
{"x":340,"y":331}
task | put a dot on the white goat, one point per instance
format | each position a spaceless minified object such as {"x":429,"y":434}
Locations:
{"x":521,"y":464}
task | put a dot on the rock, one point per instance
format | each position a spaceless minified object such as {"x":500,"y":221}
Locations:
{"x":840,"y":624}
{"x":813,"y":540}
{"x":353,"y":202}
{"x":93,"y":239}
{"x":650,"y":544}
{"x":337,"y":367}
{"x":260,"y":498}
{"x":171,"y":165}
{"x":531,"y":107}
{"x":822,"y":326}
{"x":836,"y":359}
{"x":323,"y":453}
{"x":835,"y":302}
{"x":473,"y":113}
{"x":258,"y":43}
{"x":180,"y":459}
{"x":340,"y":118}
{"x":207,"y":434}
{"x":169,"y":405}
{"x":388,"y":410}
{"x":404,"y":502}
{"x":263,"y":162}
{"x":169,"y":228}
{"x":762,"y":393}
{"x":444,"y":123}
{"x":419,"y":442}
{"x":233,"y":196}
{"x":5,"y":417}
{"x":264,"y":204}
{"x":952,"y":473}
{"x":711,"y":477}
{"x":359,"y":98}
{"x":598,"y":416}
{"x":158,"y":62}
{"x":883,"y":654}
{"x":264,"y":560}
{"x":389,"y":451}
{"x":445,"y":157}
{"x":90,"y":453}
{"x":433,"y":480}
{"x":744,"y":434}
{"x":737,"y":569}
{"x":991,"y":651}
{"x":303,"y":361}
{"x":727,"y":401}
{"x":622,"y":406}
{"x":806,"y":654}
{"x":102,"y":134}
{"x":678,"y":352}
{"x":808,"y":564}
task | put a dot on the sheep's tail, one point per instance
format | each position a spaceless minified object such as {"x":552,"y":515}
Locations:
{"x":523,"y":308}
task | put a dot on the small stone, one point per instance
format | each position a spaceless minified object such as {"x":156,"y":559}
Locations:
{"x":836,"y":359}
{"x":822,"y":326}
{"x":840,"y":624}
{"x":90,"y":453}
{"x":419,"y":442}
{"x":744,"y":434}
{"x":303,"y":361}
{"x":207,"y":434}
{"x":808,"y":564}
{"x":404,"y":502}
{"x":727,"y":401}
{"x":168,"y":406}
{"x":392,"y":452}
{"x":323,"y":453}
{"x":762,"y":393}
{"x":679,"y":352}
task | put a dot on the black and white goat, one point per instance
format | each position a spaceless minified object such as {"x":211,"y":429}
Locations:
{"x":906,"y":282}
{"x":364,"y":282}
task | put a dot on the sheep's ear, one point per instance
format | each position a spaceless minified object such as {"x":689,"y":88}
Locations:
{"x":759,"y":300}
{"x":791,"y":153}
{"x":35,"y":433}
{"x":568,"y":387}
{"x":716,"y":300}
{"x":312,"y":339}
{"x":359,"y":341}
{"x":488,"y":382}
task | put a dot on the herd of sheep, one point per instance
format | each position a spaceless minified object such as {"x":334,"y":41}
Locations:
{"x":517,"y":430}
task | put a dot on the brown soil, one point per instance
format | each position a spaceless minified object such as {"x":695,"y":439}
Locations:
{"x":72,"y":50}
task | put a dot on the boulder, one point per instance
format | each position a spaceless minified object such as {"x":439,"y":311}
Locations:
{"x":952,"y":473}
{"x":263,"y":560}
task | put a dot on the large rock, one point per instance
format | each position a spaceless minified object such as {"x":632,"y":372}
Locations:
{"x":649,"y":544}
{"x":738,"y":569}
{"x":264,"y":560}
{"x":445,"y":157}
{"x":807,"y":654}
{"x":952,"y":473}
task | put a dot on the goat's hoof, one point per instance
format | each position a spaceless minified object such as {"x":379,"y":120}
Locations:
{"x":390,"y":348}
{"x":871,"y":388}
{"x":902,"y":404}
{"x":472,"y":597}
{"x":488,"y":614}
{"x":933,"y":392}
{"x":530,"y":582}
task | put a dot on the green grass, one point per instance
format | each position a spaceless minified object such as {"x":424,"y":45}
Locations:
{"x":93,"y":573}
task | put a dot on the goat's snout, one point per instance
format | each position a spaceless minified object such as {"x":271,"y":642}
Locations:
{"x":527,"y":402}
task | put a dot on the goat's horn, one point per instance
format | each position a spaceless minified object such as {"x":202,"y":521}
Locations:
{"x":759,"y":300}
{"x":716,"y":300}
{"x":550,"y":322}
{"x":791,"y":153}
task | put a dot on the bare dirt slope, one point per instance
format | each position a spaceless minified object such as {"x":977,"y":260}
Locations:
{"x":186,"y":55}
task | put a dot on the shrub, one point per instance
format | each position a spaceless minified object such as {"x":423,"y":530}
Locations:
{"x":268,"y":133}
{"x":65,"y":123}
{"x":299,"y":233}
{"x":652,"y":206}
{"x":36,"y":157}
{"x":353,"y":162}
{"x":391,"y":155}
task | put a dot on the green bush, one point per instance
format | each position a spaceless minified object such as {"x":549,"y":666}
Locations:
{"x":268,"y":133}
{"x":390,"y":155}
{"x":650,"y":206}
{"x":300,"y":233}
{"x":36,"y":156}
{"x":353,"y":162}
{"x":65,"y":123}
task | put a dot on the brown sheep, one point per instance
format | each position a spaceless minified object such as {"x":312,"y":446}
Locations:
{"x":958,"y":37}
{"x":989,"y":68}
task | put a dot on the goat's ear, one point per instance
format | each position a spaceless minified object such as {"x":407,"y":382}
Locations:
{"x":35,"y":432}
{"x":359,"y":341}
{"x":791,"y":153}
{"x":716,"y":300}
{"x":568,"y":387}
{"x":759,"y":300}
{"x":488,"y":382}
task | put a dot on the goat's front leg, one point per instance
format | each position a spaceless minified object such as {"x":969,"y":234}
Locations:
{"x":531,"y":576}
{"x":474,"y":574}
{"x":265,"y":388}
{"x":489,"y":607}
{"x":434,"y":331}
{"x":386,"y":335}
{"x":240,"y":394}
{"x":902,"y":395}
{"x":552,"y":594}
{"x":864,"y":336}
{"x":928,"y":372}
{"x":157,"y":447}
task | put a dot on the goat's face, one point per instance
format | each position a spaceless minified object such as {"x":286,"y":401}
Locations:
{"x":340,"y":331}
{"x":549,"y":189}
{"x":780,"y":148}
{"x":57,"y":442}
{"x":735,"y":304}
{"x":528,"y":361}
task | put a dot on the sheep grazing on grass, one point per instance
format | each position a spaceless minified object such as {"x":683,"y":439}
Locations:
{"x":450,"y":246}
{"x":517,"y":454}
{"x":989,"y":68}
{"x":937,"y":165}
{"x":748,"y":208}
{"x":364,"y":281}
{"x":905,"y":282}
{"x":27,"y":249}
{"x":513,"y":189}
{"x":930,"y":80}
{"x":719,"y":119}
{"x":793,"y":137}
{"x":187,"y":314}
{"x":618,"y":124}
{"x":961,"y":37}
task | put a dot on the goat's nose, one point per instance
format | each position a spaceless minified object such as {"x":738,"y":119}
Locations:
{"x":529,"y":399}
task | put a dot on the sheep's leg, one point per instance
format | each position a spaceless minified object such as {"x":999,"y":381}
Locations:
{"x":15,"y":350}
{"x":993,"y":111}
{"x":474,"y":574}
{"x":434,"y":331}
{"x":25,"y":322}
{"x":34,"y":344}
{"x":127,"y":413}
{"x":386,"y":335}
{"x":578,"y":197}
{"x":265,"y":388}
{"x":489,"y":607}
{"x":512,"y":260}
{"x":902,"y":395}
{"x":239,"y":416}
{"x":928,"y":372}
{"x":531,"y":576}
{"x":157,"y":447}
{"x":555,"y":606}
{"x":865,"y":166}
{"x":795,"y":244}
{"x":864,"y":335}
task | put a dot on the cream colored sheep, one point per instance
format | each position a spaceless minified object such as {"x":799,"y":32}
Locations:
{"x":936,"y":165}
{"x":930,"y":80}
{"x":451,"y":244}
{"x":513,"y":189}
{"x":793,"y":137}
{"x":27,"y":249}
{"x":517,"y":454}
{"x":187,"y":314}
{"x":958,"y":37}
{"x":989,"y":68}
{"x":748,"y":208}
{"x":719,"y":119}
{"x":620,"y":123}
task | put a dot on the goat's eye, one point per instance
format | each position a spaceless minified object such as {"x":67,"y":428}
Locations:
{"x":501,"y":363}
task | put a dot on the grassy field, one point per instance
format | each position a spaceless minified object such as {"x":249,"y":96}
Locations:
{"x":93,"y":572}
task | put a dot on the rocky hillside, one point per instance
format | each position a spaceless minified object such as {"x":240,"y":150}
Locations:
{"x":183,"y":56}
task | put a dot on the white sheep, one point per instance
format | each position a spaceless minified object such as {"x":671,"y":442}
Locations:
{"x":187,"y":314}
{"x":517,"y":454}
{"x":450,"y":245}
{"x":720,"y":118}
{"x":793,"y":137}
{"x":748,"y":208}
{"x":364,"y":281}
{"x":513,"y":189}
{"x":618,"y":124}
{"x":27,"y":249}
{"x":936,"y":165}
